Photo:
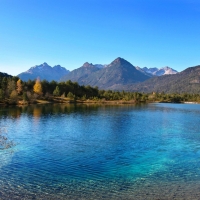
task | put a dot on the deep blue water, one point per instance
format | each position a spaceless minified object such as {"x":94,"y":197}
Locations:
{"x":149,"y":151}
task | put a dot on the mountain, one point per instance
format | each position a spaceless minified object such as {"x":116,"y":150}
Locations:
{"x":159,"y":72}
{"x":187,"y":81}
{"x":118,"y":73}
{"x":82,"y":74}
{"x":100,"y":66}
{"x":44,"y":71}
{"x":144,"y":72}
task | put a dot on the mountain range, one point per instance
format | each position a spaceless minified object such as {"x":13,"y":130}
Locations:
{"x":95,"y":74}
{"x":122,"y":75}
{"x":187,"y":81}
{"x":117,"y":73}
{"x":44,"y":71}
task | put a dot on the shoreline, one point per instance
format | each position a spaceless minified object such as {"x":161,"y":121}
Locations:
{"x":38,"y":102}
{"x":100,"y":102}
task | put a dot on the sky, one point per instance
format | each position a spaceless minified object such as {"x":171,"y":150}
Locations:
{"x":147,"y":33}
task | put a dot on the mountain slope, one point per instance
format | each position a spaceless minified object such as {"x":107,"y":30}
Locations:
{"x":187,"y":81}
{"x":81,"y":74}
{"x":119,"y":72}
{"x":44,"y":71}
{"x":144,"y":72}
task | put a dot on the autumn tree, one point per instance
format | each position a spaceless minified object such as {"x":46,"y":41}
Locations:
{"x":37,"y":88}
{"x":19,"y":86}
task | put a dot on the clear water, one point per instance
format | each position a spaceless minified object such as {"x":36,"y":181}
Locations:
{"x":147,"y":151}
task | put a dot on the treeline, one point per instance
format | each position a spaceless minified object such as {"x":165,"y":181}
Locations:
{"x":13,"y":91}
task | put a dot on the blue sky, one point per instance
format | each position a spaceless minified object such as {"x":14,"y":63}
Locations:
{"x":151,"y":33}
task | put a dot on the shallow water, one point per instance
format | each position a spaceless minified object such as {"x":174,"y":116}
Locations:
{"x":149,"y":151}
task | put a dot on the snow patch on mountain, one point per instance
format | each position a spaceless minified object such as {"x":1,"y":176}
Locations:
{"x":44,"y":71}
{"x":159,"y":72}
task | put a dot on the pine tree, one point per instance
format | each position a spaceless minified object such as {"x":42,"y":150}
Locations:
{"x":13,"y":95}
{"x":11,"y":86}
{"x":1,"y":94}
{"x":70,"y":95}
{"x":24,"y":96}
{"x":56,"y":92}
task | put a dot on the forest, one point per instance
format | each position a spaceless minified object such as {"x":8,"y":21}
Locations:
{"x":15,"y":91}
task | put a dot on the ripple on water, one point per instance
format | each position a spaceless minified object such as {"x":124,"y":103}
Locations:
{"x":123,"y":152}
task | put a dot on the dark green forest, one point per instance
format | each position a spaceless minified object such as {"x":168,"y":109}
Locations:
{"x":15,"y":91}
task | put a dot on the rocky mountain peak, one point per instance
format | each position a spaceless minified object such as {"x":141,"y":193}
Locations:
{"x":87,"y":64}
{"x":159,"y":72}
{"x":119,"y":60}
{"x":58,"y":67}
{"x":166,"y":67}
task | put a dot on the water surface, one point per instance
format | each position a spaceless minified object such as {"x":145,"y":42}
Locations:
{"x":149,"y":151}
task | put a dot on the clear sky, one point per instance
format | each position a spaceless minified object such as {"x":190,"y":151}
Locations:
{"x":151,"y":33}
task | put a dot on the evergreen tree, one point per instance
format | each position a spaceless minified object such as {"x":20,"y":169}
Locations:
{"x":13,"y":95}
{"x":4,"y":84}
{"x":56,"y":92}
{"x":63,"y":95}
{"x":70,"y":95}
{"x":25,"y":97}
{"x":11,"y":86}
{"x":1,"y":94}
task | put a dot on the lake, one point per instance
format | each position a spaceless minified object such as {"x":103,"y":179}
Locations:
{"x":149,"y":151}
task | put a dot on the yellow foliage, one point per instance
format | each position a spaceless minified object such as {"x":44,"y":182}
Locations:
{"x":19,"y":86}
{"x":37,"y":88}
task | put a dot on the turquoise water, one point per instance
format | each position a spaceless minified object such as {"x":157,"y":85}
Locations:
{"x":149,"y":151}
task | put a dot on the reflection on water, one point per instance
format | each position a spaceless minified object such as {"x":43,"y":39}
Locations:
{"x":147,"y":151}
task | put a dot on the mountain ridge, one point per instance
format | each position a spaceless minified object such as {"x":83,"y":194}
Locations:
{"x":43,"y":71}
{"x":159,"y":72}
{"x":187,"y":81}
{"x":118,"y":72}
{"x":122,"y":75}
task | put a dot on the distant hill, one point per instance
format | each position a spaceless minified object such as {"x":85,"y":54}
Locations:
{"x":187,"y":81}
{"x":4,"y":75}
{"x":118,"y":73}
{"x":44,"y":71}
{"x":159,"y":72}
